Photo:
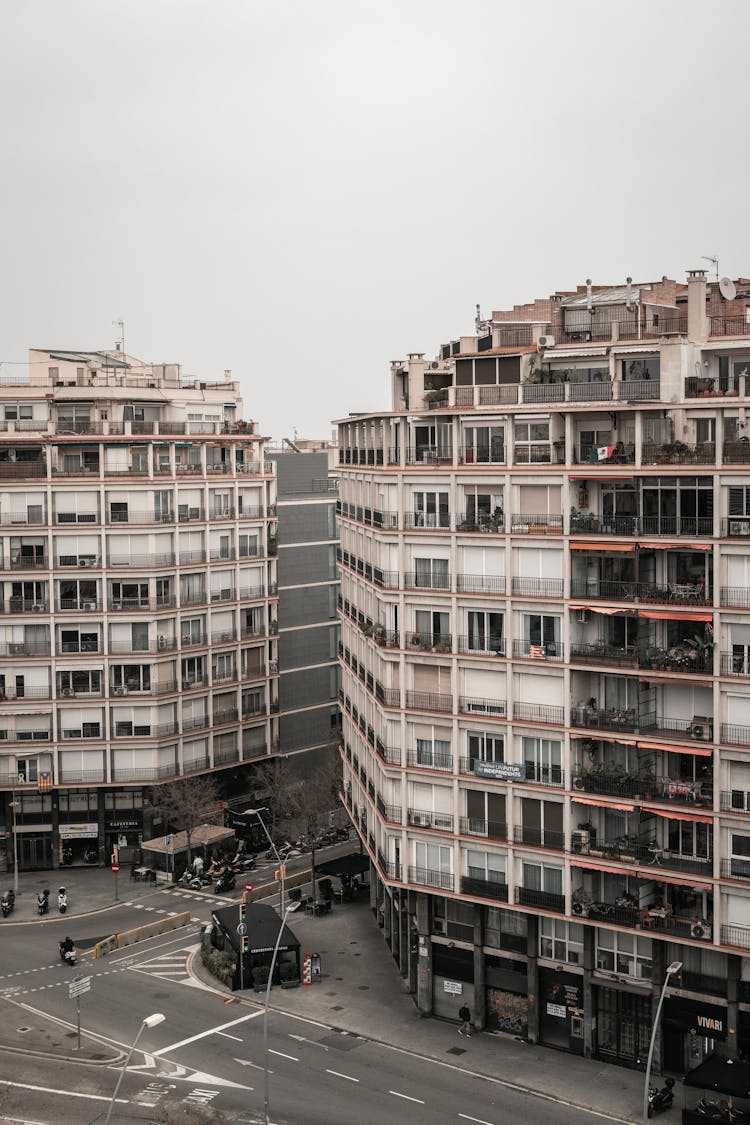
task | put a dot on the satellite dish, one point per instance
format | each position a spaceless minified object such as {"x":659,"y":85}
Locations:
{"x":727,"y":288}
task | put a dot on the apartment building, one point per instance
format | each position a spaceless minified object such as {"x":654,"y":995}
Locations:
{"x":309,"y":677}
{"x":137,"y":599}
{"x":545,"y":662}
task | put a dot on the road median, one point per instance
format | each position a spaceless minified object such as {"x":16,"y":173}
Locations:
{"x":140,"y":933}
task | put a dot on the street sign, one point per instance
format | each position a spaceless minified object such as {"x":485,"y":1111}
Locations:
{"x":115,"y":867}
{"x":167,"y":841}
{"x":242,"y":929}
{"x":248,"y":886}
{"x":78,"y":987}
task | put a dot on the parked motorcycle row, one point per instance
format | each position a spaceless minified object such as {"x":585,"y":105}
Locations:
{"x":8,"y":902}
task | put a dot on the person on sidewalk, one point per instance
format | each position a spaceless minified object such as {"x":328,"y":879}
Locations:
{"x":464,"y":1014}
{"x":198,"y":866}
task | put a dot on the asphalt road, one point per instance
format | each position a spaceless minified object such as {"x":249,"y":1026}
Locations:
{"x":208,"y":1054}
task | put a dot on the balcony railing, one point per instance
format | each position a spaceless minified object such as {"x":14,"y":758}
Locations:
{"x":734,"y":664}
{"x":552,"y":650}
{"x":426,"y":878}
{"x":735,"y":735}
{"x":428,"y":701}
{"x":543,"y":523}
{"x":487,"y":708}
{"x":544,"y":900}
{"x":737,"y":597}
{"x":638,"y":390}
{"x":537,"y":587}
{"x":414,"y":581}
{"x":493,"y":454}
{"x":540,"y":453}
{"x":484,"y":888}
{"x":674,"y":593}
{"x":738,"y":937}
{"x":727,"y":326}
{"x":602,"y":653}
{"x":488,"y":829}
{"x":649,"y":853}
{"x":422,"y":818}
{"x":480,"y":583}
{"x":710,"y":386}
{"x":736,"y":453}
{"x":736,"y":868}
{"x":679,"y":453}
{"x":429,"y":642}
{"x":481,"y":646}
{"x":539,"y":837}
{"x":427,"y":520}
{"x":538,"y":713}
{"x":477,"y":521}
{"x":430,"y":760}
{"x":630,"y":720}
{"x":646,"y":787}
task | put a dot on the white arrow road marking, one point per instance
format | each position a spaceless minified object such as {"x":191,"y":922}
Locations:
{"x":314,"y":1042}
{"x":255,"y":1066}
{"x":349,"y":1078}
{"x":406,"y":1097}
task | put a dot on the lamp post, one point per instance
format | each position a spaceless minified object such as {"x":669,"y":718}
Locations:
{"x":274,"y":849}
{"x":672,"y":969}
{"x":266,"y":1105}
{"x":149,"y":1021}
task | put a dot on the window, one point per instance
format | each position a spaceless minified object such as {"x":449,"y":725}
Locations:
{"x":433,"y":857}
{"x":432,"y":627}
{"x":485,"y":632}
{"x":640,"y":369}
{"x":739,"y":501}
{"x":687,"y":838}
{"x":543,"y":761}
{"x":435,"y":752}
{"x":625,"y":954}
{"x":484,"y":444}
{"x":79,"y":682}
{"x":538,"y":877}
{"x":127,"y":594}
{"x":224,"y":666}
{"x":541,"y":630}
{"x":131,"y":677}
{"x":432,"y":574}
{"x":741,"y":855}
{"x":486,"y":866}
{"x":431,"y":509}
{"x":71,"y":640}
{"x":561,"y":941}
{"x":705,"y":430}
{"x":532,"y":442}
{"x":485,"y":747}
{"x":484,"y":509}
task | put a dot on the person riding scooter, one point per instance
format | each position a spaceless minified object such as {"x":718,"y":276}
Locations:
{"x":68,"y":951}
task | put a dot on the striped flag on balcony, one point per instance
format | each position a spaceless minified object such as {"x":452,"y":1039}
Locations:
{"x":537,"y":650}
{"x":45,"y":781}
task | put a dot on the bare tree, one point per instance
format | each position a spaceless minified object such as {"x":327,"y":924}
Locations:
{"x":186,"y":803}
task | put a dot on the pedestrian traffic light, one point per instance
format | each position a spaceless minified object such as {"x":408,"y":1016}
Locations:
{"x":246,"y":945}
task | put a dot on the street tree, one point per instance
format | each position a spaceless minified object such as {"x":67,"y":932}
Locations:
{"x":187,"y":803}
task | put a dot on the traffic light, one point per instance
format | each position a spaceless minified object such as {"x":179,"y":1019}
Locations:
{"x":243,"y":907}
{"x":280,"y":873}
{"x":245,"y":945}
{"x":115,"y":855}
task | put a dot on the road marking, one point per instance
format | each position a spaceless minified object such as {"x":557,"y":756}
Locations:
{"x":479,"y":1120}
{"x":313,"y":1042}
{"x":205,"y":1034}
{"x":228,"y":1036}
{"x":348,"y":1077}
{"x":63,"y":1093}
{"x":255,"y":1066}
{"x":282,"y":1055}
{"x":406,"y":1097}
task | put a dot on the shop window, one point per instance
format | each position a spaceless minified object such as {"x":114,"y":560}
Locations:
{"x":561,"y":941}
{"x":624,"y":954}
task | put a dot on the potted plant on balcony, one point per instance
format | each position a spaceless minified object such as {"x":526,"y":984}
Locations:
{"x":380,"y":636}
{"x":415,"y":640}
{"x":367,"y":629}
{"x":581,"y":902}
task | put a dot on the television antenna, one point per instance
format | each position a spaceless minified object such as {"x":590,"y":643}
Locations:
{"x":715,"y":260}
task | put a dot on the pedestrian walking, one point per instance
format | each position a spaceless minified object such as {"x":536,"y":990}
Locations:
{"x":198,"y":866}
{"x":464,"y":1014}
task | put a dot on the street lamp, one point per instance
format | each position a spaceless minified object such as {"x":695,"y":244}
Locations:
{"x":266,"y":1107}
{"x":149,"y":1021}
{"x":274,"y":849}
{"x":672,"y":969}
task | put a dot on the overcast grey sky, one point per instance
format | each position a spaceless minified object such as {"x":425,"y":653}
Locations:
{"x":304,"y":190}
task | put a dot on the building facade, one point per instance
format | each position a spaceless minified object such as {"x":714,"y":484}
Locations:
{"x":139,"y":606}
{"x":309,"y":715}
{"x":545,"y":668}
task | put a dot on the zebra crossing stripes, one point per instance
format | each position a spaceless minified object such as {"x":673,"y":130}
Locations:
{"x":167,"y":966}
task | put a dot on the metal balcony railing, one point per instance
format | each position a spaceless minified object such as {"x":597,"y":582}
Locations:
{"x":481,"y":646}
{"x":672,"y":593}
{"x":427,"y":878}
{"x":480,"y":584}
{"x":538,"y":713}
{"x":545,"y":900}
{"x":542,"y":523}
{"x":539,"y":837}
{"x":550,"y":650}
{"x":423,"y":818}
{"x":486,"y":708}
{"x":488,"y":829}
{"x":484,"y":888}
{"x":426,"y":759}
{"x":537,"y":587}
{"x":602,"y":653}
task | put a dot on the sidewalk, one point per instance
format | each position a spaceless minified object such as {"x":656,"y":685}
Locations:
{"x":89,"y":888}
{"x":362,"y":992}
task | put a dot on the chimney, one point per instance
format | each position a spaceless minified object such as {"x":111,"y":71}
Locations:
{"x":697,"y":320}
{"x":589,"y":303}
{"x":227,"y":375}
{"x":629,"y":293}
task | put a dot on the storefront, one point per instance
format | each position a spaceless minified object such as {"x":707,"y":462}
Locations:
{"x":623,"y":1026}
{"x":506,"y":995}
{"x":78,"y":843}
{"x":691,"y":1031}
{"x":561,"y":1010}
{"x":124,"y":832}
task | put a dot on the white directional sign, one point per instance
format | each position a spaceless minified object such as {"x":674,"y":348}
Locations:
{"x":78,"y":987}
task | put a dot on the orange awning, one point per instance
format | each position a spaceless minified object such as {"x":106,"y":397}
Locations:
{"x":674,"y":615}
{"x":675,"y":749}
{"x":602,"y":546}
{"x":603,"y":804}
{"x":609,"y":611}
{"x":661,"y":546}
{"x":596,"y":867}
{"x":619,"y":741}
{"x":682,"y":816}
{"x":601,"y":476}
{"x":681,"y":880}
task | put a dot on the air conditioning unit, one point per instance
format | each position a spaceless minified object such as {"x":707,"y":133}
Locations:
{"x":162,"y":642}
{"x":89,"y":605}
{"x":16,"y":649}
{"x":118,"y":690}
{"x":38,"y":608}
{"x":579,"y":841}
{"x":84,"y":561}
{"x":486,"y":708}
{"x":700,"y":729}
{"x":546,"y":342}
{"x":582,"y":615}
{"x":739,"y":527}
{"x":420,"y":820}
{"x":67,"y":692}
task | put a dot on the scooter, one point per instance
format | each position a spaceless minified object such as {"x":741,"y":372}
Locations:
{"x":67,"y":857}
{"x":62,"y":900}
{"x":194,"y":882}
{"x":7,"y":903}
{"x":660,"y":1100}
{"x":718,"y":1111}
{"x":225,"y":882}
{"x":42,"y":902}
{"x":68,"y":953}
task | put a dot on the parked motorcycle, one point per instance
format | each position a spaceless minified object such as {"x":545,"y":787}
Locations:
{"x":68,"y":952}
{"x":67,"y":857}
{"x":62,"y":900}
{"x":42,"y":902}
{"x":225,"y":882}
{"x":193,"y":881}
{"x":660,"y":1099}
{"x":7,"y":903}
{"x":718,"y":1111}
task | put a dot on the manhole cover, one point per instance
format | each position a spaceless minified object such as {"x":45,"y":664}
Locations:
{"x":22,"y":1030}
{"x":456,"y":1051}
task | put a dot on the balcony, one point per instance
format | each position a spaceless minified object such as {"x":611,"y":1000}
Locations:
{"x":538,"y":713}
{"x":593,"y":524}
{"x":647,"y":853}
{"x":673,"y":593}
{"x":630,"y":720}
{"x":735,"y":735}
{"x":736,"y":868}
{"x":439,"y":822}
{"x":485,"y":829}
{"x":540,"y":453}
{"x":537,"y":587}
{"x":599,"y":652}
{"x":443,"y":880}
{"x":536,"y":524}
{"x":620,"y":454}
{"x":735,"y":597}
{"x":22,"y":561}
{"x":484,"y":888}
{"x":487,"y":708}
{"x":552,"y":650}
{"x":414,"y":581}
{"x":539,"y":838}
{"x":736,"y":452}
{"x":429,"y":642}
{"x":473,"y":645}
{"x":638,"y":390}
{"x":430,"y":760}
{"x":480,"y":583}
{"x":422,"y":521}
{"x":679,"y":453}
{"x":738,"y":937}
{"x":480,"y":521}
{"x":543,"y":900}
{"x":492,"y":454}
{"x":644,"y":787}
{"x":24,"y":648}
{"x":427,"y":701}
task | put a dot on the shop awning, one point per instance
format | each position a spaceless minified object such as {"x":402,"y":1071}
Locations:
{"x":597,"y":867}
{"x":695,"y":750}
{"x":607,"y":610}
{"x":602,"y":547}
{"x":603,"y":804}
{"x":724,"y":1076}
{"x":661,"y":546}
{"x":674,"y":615}
{"x":204,"y":834}
{"x":695,"y":817}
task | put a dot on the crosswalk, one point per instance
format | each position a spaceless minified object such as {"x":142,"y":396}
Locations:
{"x":167,"y":966}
